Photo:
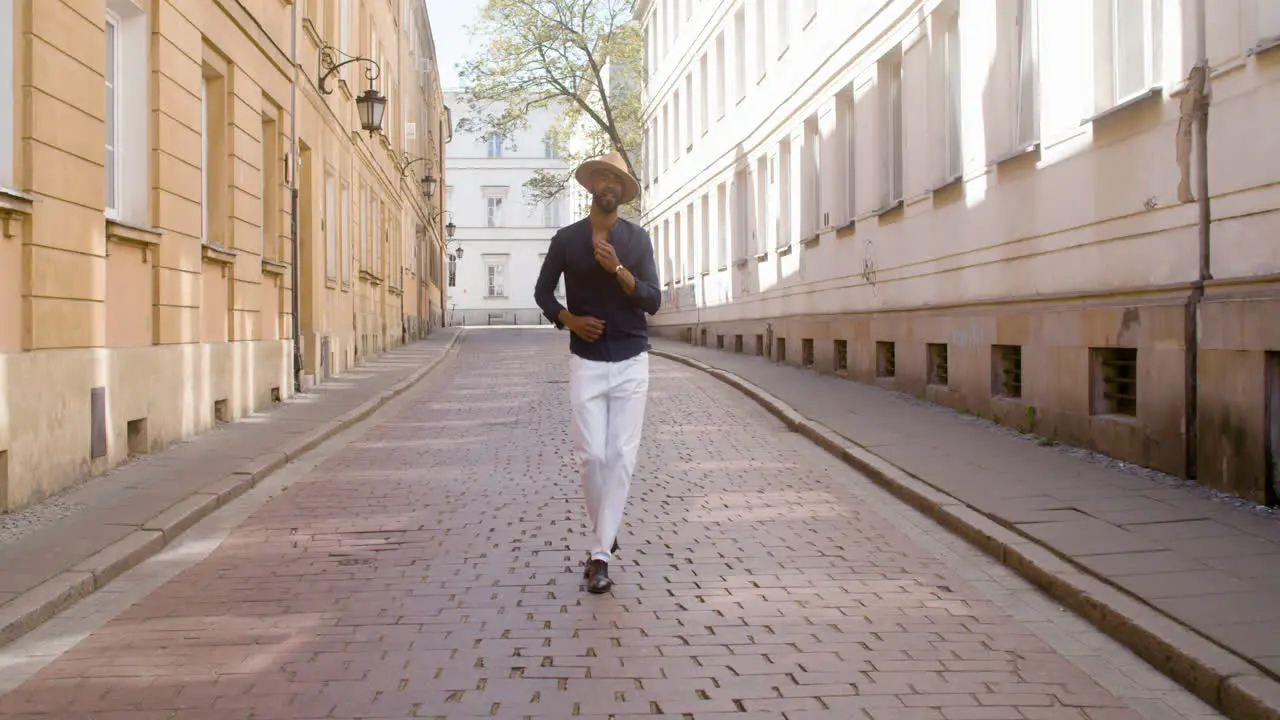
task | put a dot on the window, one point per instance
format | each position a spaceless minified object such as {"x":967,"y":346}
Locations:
{"x":1025,"y":73}
{"x":762,"y":38}
{"x":690,"y":259}
{"x":815,"y":219}
{"x":493,"y":211}
{"x":1268,"y":21}
{"x":706,"y":233}
{"x":1135,"y":49}
{"x":551,"y":212}
{"x":782,"y":176}
{"x":495,"y":145}
{"x":704,"y":112}
{"x":764,"y":209}
{"x":948,"y":91}
{"x":7,"y":105}
{"x":453,"y":270}
{"x":677,"y":250}
{"x":344,"y":39}
{"x":329,"y":225}
{"x":379,"y":235}
{"x":112,"y":162}
{"x":890,"y":99}
{"x":675,"y":126}
{"x":721,"y":79}
{"x":740,"y":218}
{"x":846,"y":132}
{"x":549,"y":151}
{"x":740,"y":51}
{"x":344,"y":207}
{"x":125,"y":111}
{"x":364,"y":225}
{"x":688,"y":108}
{"x":784,"y":26}
{"x":271,"y":185}
{"x":722,"y":226}
{"x":495,"y":273}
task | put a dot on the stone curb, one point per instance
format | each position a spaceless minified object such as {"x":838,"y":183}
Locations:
{"x":36,"y":606}
{"x":1228,"y":682}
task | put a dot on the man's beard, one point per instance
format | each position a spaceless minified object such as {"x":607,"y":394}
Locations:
{"x":605,"y":203}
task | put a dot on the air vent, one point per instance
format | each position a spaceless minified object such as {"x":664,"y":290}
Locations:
{"x":938,"y":364}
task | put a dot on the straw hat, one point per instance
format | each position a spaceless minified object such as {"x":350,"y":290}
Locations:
{"x":614,"y":163}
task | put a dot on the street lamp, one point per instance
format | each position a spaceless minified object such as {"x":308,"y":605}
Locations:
{"x":428,"y":181}
{"x":371,"y":105}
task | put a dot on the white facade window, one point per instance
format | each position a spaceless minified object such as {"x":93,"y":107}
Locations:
{"x":889,"y":94}
{"x":740,"y":52}
{"x":813,"y":176}
{"x":677,"y":250}
{"x":721,"y":77}
{"x":688,"y":108}
{"x":705,"y":235}
{"x":549,"y":151}
{"x":846,"y":132}
{"x":1268,"y":21}
{"x":762,"y":38}
{"x":495,"y":270}
{"x":1025,"y":72}
{"x":551,"y":212}
{"x":948,"y":73}
{"x":493,"y":207}
{"x":1134,"y":53}
{"x":7,"y":40}
{"x":495,"y":145}
{"x":722,"y":226}
{"x":126,"y":118}
{"x":675,"y":126}
{"x":690,"y":257}
{"x":740,"y":210}
{"x":666,"y":138}
{"x":778,"y":201}
{"x":704,"y":111}
{"x":784,"y":26}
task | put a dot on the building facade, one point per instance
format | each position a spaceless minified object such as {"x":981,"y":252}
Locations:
{"x":503,"y":234}
{"x":147,"y":261}
{"x":992,"y":205}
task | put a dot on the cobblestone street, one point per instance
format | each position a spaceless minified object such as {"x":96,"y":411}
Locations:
{"x":432,"y":568}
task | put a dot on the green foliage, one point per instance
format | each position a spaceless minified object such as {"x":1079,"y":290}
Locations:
{"x":583,"y":57}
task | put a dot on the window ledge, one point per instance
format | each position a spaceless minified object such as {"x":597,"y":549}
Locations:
{"x":811,"y":240}
{"x":947,"y":182}
{"x":784,"y":251}
{"x":271,"y":267}
{"x":395,"y":290}
{"x":1138,"y":99}
{"x":495,"y":297}
{"x":217,"y":253}
{"x":1265,"y":45}
{"x":371,"y":277}
{"x":1014,"y":154}
{"x":705,"y":273}
{"x":740,"y":262}
{"x":14,"y":205}
{"x":722,"y":268}
{"x":762,"y":256}
{"x":141,"y":237}
{"x":689,"y":279}
{"x":886,"y":209}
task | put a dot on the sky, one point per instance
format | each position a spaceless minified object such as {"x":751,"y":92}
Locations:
{"x":449,"y":19}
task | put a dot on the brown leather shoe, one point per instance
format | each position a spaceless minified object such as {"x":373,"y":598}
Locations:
{"x":598,"y":577}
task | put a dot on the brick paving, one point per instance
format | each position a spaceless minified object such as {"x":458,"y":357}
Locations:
{"x":37,"y":546}
{"x":1209,"y":563}
{"x":432,"y":568}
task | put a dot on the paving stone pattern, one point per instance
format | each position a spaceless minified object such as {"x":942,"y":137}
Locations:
{"x":433,"y":568}
{"x":1211,"y":564}
{"x":52,"y":537}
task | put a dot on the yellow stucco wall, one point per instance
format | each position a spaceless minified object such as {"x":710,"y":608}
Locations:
{"x":179,"y":298}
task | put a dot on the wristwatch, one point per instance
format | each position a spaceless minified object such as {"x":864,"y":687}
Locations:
{"x":617,"y":270}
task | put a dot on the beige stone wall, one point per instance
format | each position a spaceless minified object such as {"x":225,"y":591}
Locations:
{"x":145,"y":254}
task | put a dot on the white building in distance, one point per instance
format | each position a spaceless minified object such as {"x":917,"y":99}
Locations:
{"x":991,"y":204}
{"x":502,"y":234}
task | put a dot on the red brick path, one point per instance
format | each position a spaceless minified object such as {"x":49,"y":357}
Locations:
{"x":433,"y":569}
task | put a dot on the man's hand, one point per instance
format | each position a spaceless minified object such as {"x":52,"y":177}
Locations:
{"x":584,"y":326}
{"x":605,"y":255}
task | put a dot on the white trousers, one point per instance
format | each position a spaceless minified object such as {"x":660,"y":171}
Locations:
{"x":608,"y":400}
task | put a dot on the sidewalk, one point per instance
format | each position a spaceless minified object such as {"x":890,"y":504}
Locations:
{"x":55,"y":554}
{"x":1177,"y":551}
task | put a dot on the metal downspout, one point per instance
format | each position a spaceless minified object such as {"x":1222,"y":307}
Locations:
{"x":293,"y":196}
{"x":1201,"y":113}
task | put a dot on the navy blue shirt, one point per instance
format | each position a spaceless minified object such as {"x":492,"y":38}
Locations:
{"x":591,"y":290}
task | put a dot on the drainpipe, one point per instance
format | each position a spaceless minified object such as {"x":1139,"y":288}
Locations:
{"x":1199,"y":76}
{"x":293,"y":195}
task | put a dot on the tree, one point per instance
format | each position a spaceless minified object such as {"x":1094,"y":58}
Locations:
{"x":583,"y":56}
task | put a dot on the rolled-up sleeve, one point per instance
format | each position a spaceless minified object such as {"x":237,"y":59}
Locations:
{"x":647,"y":295}
{"x":544,"y":291}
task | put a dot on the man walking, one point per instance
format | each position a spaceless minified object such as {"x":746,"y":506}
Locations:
{"x":610,"y":282}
